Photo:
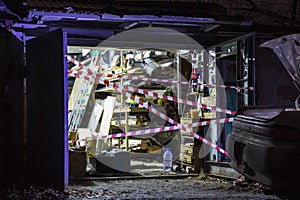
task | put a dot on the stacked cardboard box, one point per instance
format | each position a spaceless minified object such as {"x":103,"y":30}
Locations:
{"x":187,"y":153}
{"x":77,"y":163}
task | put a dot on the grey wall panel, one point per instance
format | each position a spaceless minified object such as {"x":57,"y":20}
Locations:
{"x":47,"y":110}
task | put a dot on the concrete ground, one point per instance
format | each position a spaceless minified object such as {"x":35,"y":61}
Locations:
{"x":166,"y":188}
{"x":147,"y":180}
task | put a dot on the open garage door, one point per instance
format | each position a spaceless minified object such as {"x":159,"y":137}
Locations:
{"x":11,"y":114}
{"x":47,"y":154}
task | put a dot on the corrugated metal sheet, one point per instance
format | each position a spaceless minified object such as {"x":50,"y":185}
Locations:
{"x":191,"y":8}
{"x":55,"y":4}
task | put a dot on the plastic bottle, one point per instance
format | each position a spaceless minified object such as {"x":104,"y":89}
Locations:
{"x":167,"y":159}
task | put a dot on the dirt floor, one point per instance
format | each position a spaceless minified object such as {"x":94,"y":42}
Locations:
{"x":187,"y":188}
{"x":147,"y":180}
{"x":199,"y":187}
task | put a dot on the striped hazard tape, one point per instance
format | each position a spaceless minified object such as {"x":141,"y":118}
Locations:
{"x":87,"y":71}
{"x":89,"y":75}
{"x":183,"y":82}
{"x":119,"y":76}
{"x":155,"y":130}
{"x":74,"y":61}
{"x":126,"y":77}
{"x":106,"y":74}
{"x":209,"y":122}
{"x":178,"y":82}
{"x":177,"y":100}
{"x":131,"y":133}
{"x":184,"y":127}
{"x":86,"y":76}
{"x":170,"y":120}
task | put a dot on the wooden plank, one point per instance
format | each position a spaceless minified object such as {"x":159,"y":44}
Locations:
{"x":109,"y":104}
{"x":95,"y":117}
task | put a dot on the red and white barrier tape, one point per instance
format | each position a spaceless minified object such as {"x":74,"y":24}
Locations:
{"x":88,"y":75}
{"x":170,"y":120}
{"x":183,"y":82}
{"x":74,"y":61}
{"x":153,"y":94}
{"x":177,"y":100}
{"x":126,"y":77}
{"x":106,"y":74}
{"x":119,"y":76}
{"x":131,"y":133}
{"x":156,"y":130}
{"x":87,"y":71}
{"x":209,"y":122}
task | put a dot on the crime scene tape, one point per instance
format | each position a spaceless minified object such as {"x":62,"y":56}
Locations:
{"x":170,"y":120}
{"x":177,"y":82}
{"x":183,"y":82}
{"x":209,"y":122}
{"x":126,"y":77}
{"x":156,"y":130}
{"x":74,"y":61}
{"x":131,"y":133}
{"x":89,"y":75}
{"x":177,"y":100}
{"x":153,"y":94}
{"x":119,"y":76}
{"x":87,"y":71}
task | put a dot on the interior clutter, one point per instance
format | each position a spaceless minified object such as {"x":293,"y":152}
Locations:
{"x":98,"y":90}
{"x":127,"y":105}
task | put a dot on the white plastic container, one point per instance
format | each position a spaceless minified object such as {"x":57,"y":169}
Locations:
{"x":167,"y":159}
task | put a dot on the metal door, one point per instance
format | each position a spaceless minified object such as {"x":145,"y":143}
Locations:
{"x":235,"y":62}
{"x":47,"y":136}
{"x":11,"y":114}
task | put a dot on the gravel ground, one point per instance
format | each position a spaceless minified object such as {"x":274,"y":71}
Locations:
{"x":184,"y":188}
{"x":187,"y":188}
{"x":151,"y":183}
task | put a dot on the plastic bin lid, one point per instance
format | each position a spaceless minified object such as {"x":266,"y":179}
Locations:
{"x":287,"y":49}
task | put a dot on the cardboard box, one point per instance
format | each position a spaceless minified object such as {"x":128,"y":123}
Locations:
{"x":210,"y":115}
{"x":77,"y":163}
{"x":185,"y":149}
{"x":185,"y":120}
{"x":188,"y":159}
{"x":209,"y":101}
{"x":195,"y":113}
